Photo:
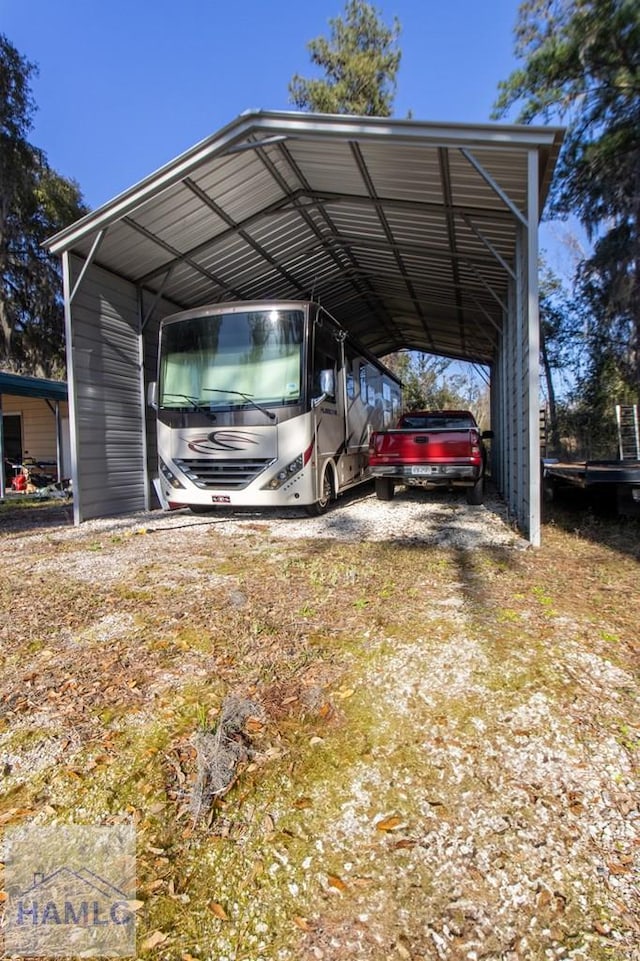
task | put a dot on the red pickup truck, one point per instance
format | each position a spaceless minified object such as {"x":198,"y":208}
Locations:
{"x":430,"y":448}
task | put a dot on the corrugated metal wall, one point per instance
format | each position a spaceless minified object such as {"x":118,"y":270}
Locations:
{"x":514,"y":389}
{"x":105,"y":394}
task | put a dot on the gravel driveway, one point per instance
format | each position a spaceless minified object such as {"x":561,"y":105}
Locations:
{"x":437,"y":517}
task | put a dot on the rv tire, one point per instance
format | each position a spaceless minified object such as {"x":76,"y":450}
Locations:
{"x":321,"y":505}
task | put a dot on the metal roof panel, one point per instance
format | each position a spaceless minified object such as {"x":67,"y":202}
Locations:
{"x":395,"y":225}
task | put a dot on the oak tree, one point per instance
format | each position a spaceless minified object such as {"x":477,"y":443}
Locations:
{"x":35,"y":202}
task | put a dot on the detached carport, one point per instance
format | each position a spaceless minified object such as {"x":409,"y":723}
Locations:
{"x":413,"y":235}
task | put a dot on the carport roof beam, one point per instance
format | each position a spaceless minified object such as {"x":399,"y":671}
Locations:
{"x":158,"y":295}
{"x":364,"y":289}
{"x":92,"y":253}
{"x":494,"y":186}
{"x":241,"y":232}
{"x":488,"y":286}
{"x":176,"y":255}
{"x":503,"y":263}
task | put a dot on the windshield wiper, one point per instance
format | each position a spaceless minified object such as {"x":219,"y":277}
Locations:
{"x":195,"y":403}
{"x":245,"y":397}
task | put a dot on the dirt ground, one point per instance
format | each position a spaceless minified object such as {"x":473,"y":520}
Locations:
{"x":441,"y":756}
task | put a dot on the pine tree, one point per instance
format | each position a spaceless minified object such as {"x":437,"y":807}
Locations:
{"x":581,"y":64}
{"x":360,"y":62}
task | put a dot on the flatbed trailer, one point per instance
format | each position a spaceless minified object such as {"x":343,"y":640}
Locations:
{"x":619,"y":478}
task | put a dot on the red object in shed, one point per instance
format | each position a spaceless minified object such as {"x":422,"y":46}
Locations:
{"x":19,"y":483}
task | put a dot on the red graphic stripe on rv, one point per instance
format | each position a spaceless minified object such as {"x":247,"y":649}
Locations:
{"x":307,"y":454}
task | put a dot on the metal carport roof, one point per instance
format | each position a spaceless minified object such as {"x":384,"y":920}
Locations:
{"x":412,"y":234}
{"x":399,"y":228}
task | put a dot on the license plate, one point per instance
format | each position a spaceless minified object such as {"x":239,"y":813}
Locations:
{"x":424,"y":470}
{"x":220,"y":499}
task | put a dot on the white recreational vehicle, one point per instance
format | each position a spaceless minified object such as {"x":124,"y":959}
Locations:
{"x":265,"y":404}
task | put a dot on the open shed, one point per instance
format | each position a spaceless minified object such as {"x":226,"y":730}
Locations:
{"x":34,"y":425}
{"x":412,"y":234}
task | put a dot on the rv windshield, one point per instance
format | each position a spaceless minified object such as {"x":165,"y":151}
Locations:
{"x":213,"y":361}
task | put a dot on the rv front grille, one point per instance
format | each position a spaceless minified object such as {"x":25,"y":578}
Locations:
{"x":223,"y":474}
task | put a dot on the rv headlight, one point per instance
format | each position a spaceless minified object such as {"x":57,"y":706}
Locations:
{"x":285,"y":474}
{"x":169,"y":476}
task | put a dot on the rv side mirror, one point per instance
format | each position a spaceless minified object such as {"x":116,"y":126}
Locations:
{"x":327,"y":387}
{"x":152,"y":394}
{"x":328,"y":382}
{"x":487,"y":435}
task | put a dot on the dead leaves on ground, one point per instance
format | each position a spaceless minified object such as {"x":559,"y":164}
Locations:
{"x":216,"y":909}
{"x":336,"y":882}
{"x":389,"y":824}
{"x":154,"y":940}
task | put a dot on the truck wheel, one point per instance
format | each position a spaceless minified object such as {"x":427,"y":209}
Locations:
{"x":385,"y":488}
{"x":475,"y":494}
{"x":321,"y":505}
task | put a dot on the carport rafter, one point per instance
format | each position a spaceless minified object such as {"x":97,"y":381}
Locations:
{"x":382,"y":217}
{"x":282,"y":204}
{"x":244,"y":234}
{"x":367,"y":289}
{"x":228,"y":289}
{"x":396,"y":204}
{"x":445,"y":177}
{"x":406,"y":247}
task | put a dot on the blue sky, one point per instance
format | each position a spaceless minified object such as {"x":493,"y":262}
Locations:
{"x":125,"y":87}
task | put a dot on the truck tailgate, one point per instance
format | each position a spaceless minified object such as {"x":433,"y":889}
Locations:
{"x":415,"y":446}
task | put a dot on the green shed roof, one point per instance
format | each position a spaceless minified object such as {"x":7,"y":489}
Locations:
{"x":19,"y":385}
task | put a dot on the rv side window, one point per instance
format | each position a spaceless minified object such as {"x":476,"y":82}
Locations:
{"x":351,"y":370}
{"x":363,"y":383}
{"x":351,"y":386}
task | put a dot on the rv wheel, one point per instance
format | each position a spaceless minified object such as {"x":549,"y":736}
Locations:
{"x":320,"y":506}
